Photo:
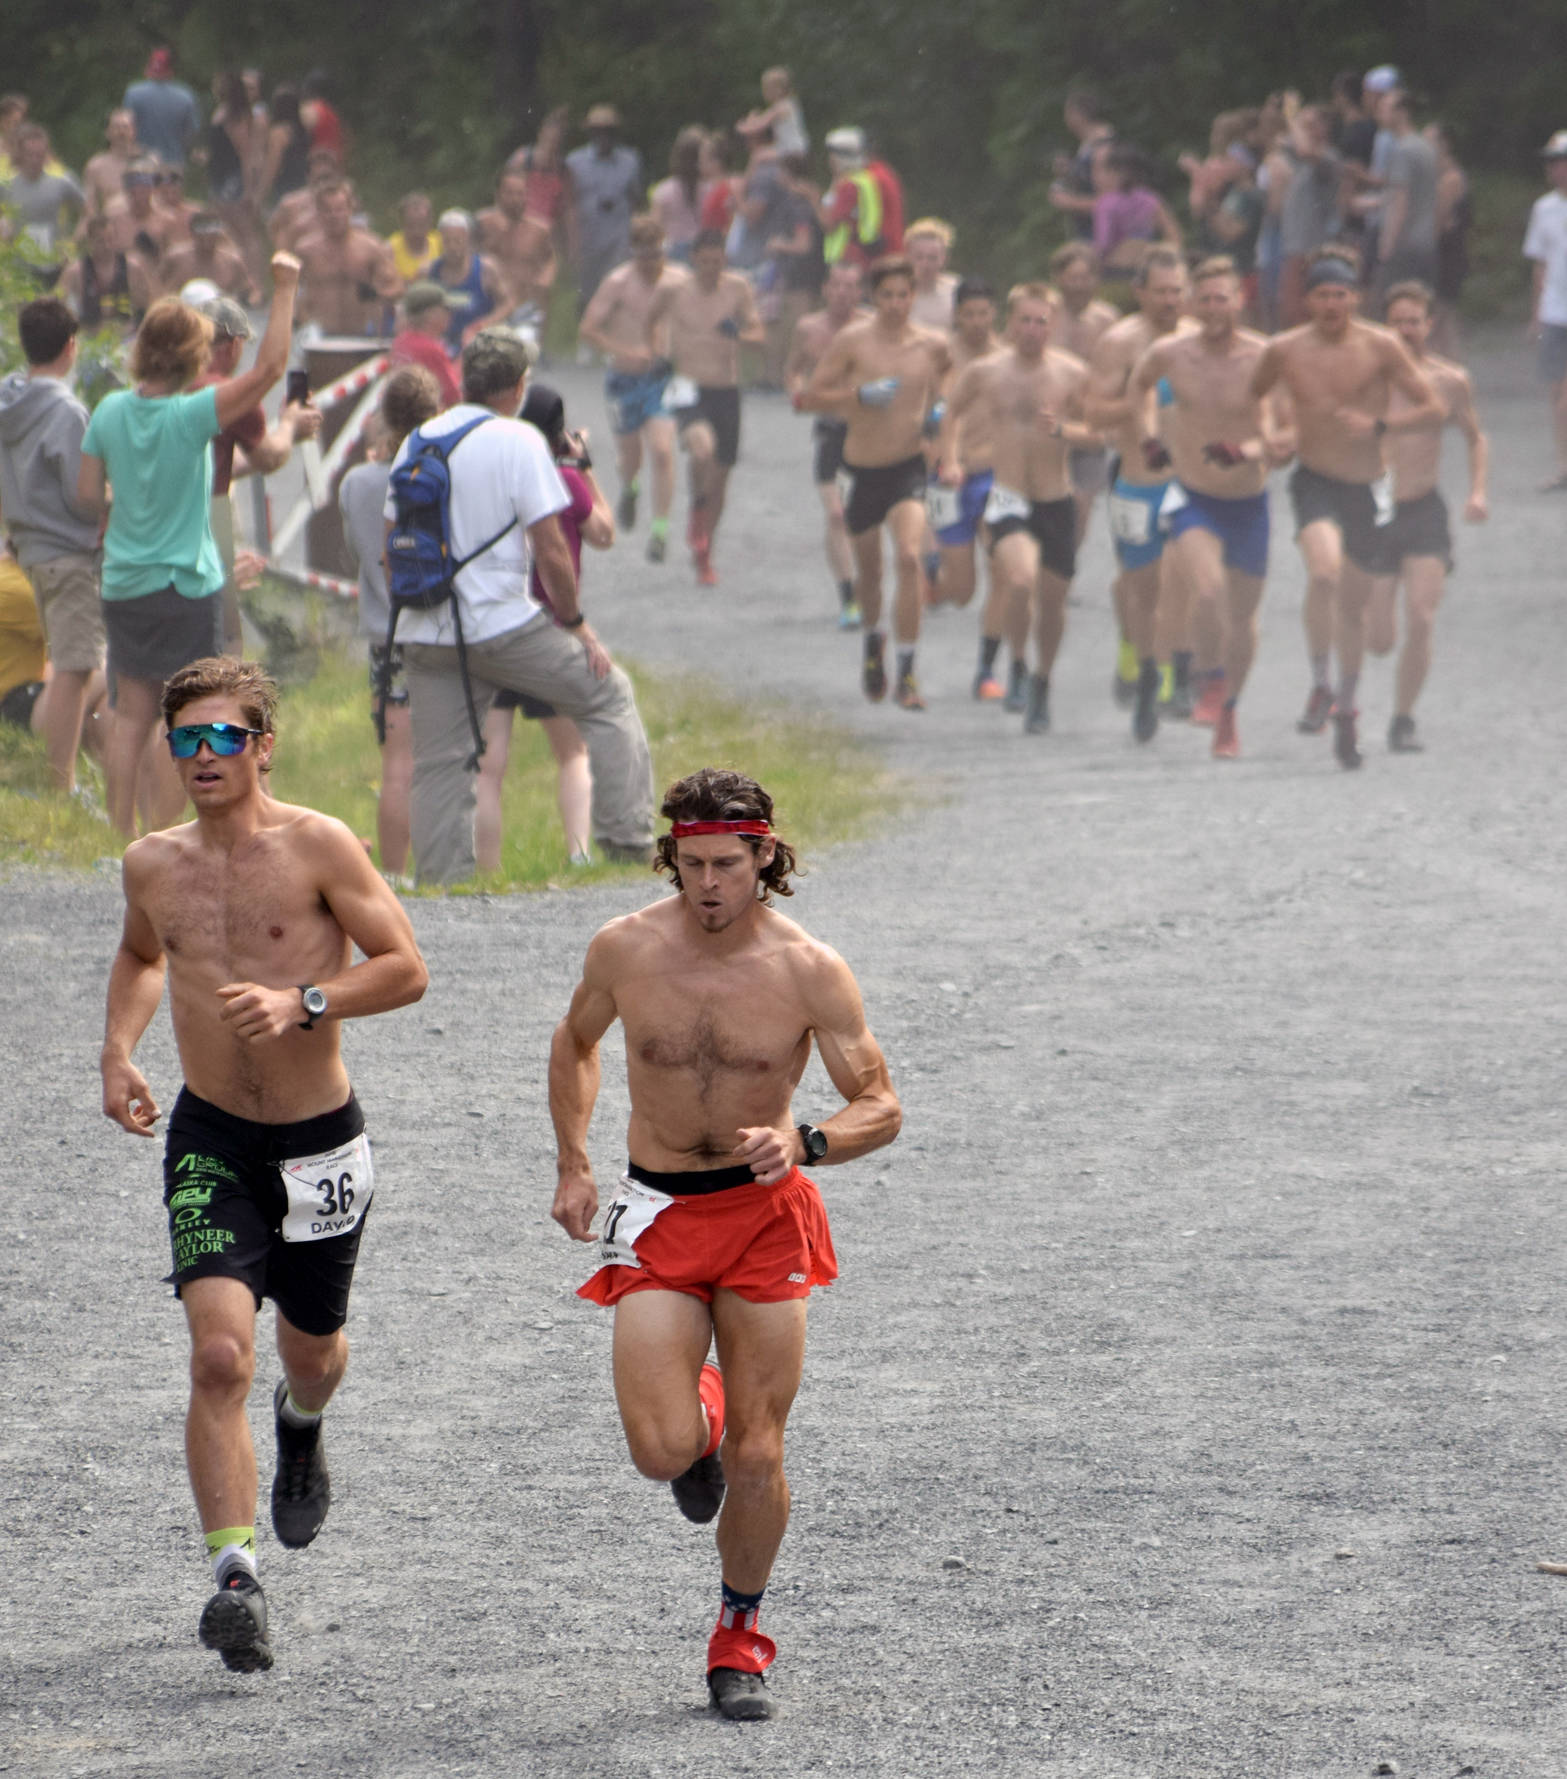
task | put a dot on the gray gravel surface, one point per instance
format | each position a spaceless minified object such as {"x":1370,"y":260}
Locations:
{"x":1187,"y":1404}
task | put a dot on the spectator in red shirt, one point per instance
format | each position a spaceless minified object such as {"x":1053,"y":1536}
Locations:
{"x":422,"y":340}
{"x":319,"y":116}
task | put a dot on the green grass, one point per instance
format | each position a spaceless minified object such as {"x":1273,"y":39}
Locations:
{"x":827,"y":786}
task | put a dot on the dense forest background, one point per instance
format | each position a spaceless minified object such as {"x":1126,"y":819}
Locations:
{"x":964,"y":98}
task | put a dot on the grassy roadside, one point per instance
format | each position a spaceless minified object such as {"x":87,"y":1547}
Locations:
{"x":827,"y":785}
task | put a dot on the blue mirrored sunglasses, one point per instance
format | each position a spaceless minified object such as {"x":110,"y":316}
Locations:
{"x":222,"y":738}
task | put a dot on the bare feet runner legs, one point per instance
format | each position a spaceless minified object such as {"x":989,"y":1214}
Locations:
{"x":1417,"y":544}
{"x":883,"y":376}
{"x":813,"y":334}
{"x":1141,"y":482}
{"x":714,"y":1232}
{"x":254,"y":910}
{"x":1340,"y":372}
{"x":615,"y":323}
{"x":1222,"y":440}
{"x":1031,"y":398}
{"x":710,"y":315}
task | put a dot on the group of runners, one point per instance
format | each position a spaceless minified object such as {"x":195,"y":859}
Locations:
{"x":993,"y":434}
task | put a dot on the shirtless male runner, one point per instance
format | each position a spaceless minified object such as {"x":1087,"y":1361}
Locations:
{"x":1141,"y":483}
{"x":348,"y":277}
{"x":522,"y":246}
{"x":710,"y":315}
{"x":1417,"y":544}
{"x":615,"y":323}
{"x":253,"y":910}
{"x":1221,"y":440}
{"x":1340,"y":373}
{"x":141,"y":226}
{"x":714,"y":1233}
{"x":1080,"y":319}
{"x":813,"y":334}
{"x":957,"y":509}
{"x":883,"y":375}
{"x":1031,"y":397}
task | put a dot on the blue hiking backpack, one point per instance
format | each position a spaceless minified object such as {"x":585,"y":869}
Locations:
{"x":421,"y":572}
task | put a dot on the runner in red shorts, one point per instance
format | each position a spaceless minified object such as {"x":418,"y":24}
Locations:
{"x":714,"y":1232}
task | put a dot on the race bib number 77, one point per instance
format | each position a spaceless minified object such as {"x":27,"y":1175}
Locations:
{"x":630,"y":1214}
{"x":328,"y":1193}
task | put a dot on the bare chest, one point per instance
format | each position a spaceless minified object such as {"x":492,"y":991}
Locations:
{"x":1325,"y":378}
{"x":1213,"y":385}
{"x":243,"y":920}
{"x":713,"y":1044}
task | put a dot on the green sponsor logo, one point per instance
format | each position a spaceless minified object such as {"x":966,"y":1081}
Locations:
{"x":204,"y":1167}
{"x":190,"y":1195}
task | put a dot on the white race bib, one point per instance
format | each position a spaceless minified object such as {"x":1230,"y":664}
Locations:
{"x":942,"y":505}
{"x":1004,"y":504}
{"x":630,"y":1214}
{"x":1174,"y":499}
{"x":680,"y":392}
{"x":845,"y":482}
{"x":328,"y":1194}
{"x":1382,"y":495}
{"x":1131,"y":521}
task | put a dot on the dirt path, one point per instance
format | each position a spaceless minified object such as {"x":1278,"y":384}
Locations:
{"x":1187,"y":1404}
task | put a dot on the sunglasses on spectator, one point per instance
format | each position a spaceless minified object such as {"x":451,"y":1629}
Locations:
{"x":222,"y":738}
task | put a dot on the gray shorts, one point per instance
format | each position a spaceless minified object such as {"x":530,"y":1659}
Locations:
{"x":154,"y":635}
{"x":1553,"y":353}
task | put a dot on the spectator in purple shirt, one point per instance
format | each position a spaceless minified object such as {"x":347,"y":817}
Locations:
{"x":1128,"y":215}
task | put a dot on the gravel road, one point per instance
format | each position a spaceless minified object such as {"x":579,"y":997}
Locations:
{"x":1186,"y":1405}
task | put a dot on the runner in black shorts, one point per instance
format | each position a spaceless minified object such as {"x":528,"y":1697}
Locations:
{"x":1053,"y":526}
{"x":1351,"y":506}
{"x":720,"y":409}
{"x":827,"y":438}
{"x":253,"y":910}
{"x":874,"y":492}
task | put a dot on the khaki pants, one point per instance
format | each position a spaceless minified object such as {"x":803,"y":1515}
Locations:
{"x":548,"y":662}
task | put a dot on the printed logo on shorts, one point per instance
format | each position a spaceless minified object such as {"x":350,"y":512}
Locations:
{"x":797,"y":1278}
{"x":190,"y":1195}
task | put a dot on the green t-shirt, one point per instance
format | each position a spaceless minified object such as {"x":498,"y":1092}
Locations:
{"x":157,"y":454}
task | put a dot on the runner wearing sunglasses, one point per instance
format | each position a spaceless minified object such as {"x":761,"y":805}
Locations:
{"x":253,"y":910}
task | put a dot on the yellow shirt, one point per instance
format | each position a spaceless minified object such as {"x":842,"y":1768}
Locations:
{"x":412,"y":265}
{"x":22,"y":654}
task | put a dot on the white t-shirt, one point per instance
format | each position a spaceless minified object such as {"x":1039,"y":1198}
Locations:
{"x":1546,"y":241}
{"x":503,"y":469}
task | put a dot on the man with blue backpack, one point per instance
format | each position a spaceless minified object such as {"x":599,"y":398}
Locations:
{"x":471,"y":509}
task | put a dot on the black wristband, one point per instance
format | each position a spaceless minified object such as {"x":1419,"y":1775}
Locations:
{"x":575,"y":623}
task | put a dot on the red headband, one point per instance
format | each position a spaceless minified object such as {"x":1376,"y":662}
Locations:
{"x":684,"y":830}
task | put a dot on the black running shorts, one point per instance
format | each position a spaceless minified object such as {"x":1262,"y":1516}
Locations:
{"x":874,"y":492}
{"x":1053,"y":526}
{"x":1417,"y":528}
{"x":720,"y":408}
{"x":242,"y":1206}
{"x":828,"y":435}
{"x":1350,"y":505}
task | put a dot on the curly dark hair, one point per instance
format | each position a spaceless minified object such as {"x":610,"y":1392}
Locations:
{"x":716,"y":795}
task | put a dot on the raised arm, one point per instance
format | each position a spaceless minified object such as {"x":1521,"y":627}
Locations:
{"x":391,"y":972}
{"x":240,"y":394}
{"x":574,"y":1089}
{"x":135,"y":988}
{"x":853,"y":1059}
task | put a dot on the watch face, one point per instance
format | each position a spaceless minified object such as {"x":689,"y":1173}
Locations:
{"x":815,"y":1144}
{"x":315,"y":1002}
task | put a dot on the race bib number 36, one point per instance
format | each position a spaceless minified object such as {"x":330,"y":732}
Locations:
{"x":630,"y":1214}
{"x":328,"y":1194}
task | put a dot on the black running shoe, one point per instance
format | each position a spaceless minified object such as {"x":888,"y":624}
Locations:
{"x":699,"y":1491}
{"x":626,"y":508}
{"x":234,"y":1623}
{"x":1017,"y":687}
{"x":1036,"y":716}
{"x":301,"y":1489}
{"x":1181,"y":703}
{"x":1401,"y":737}
{"x":1345,"y":750}
{"x":1145,"y":717}
{"x":739,"y":1696}
{"x":1319,"y":707}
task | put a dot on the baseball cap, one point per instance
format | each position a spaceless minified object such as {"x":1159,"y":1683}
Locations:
{"x":602,"y":117}
{"x":160,"y":63}
{"x":1556,"y":148}
{"x":1383,"y":78}
{"x":421,"y":295}
{"x":227,"y":317}
{"x":847,"y":140}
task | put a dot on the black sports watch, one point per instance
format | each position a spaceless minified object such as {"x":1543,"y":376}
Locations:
{"x":814,"y":1141}
{"x":315,"y":1005}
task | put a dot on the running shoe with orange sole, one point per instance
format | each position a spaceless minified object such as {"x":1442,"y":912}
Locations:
{"x":988,"y":689}
{"x":1226,"y":742}
{"x":1206,"y":711}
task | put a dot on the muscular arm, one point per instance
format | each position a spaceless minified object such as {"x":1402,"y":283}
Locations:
{"x":1413,"y":384}
{"x":135,"y":988}
{"x":1270,"y":367}
{"x":574,"y":1088}
{"x":829,"y":389}
{"x":240,"y":394}
{"x":1477,"y":508}
{"x":391,"y":972}
{"x":853,"y":1060}
{"x":1109,"y":401}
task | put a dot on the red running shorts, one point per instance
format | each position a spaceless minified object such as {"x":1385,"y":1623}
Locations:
{"x":767,"y":1244}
